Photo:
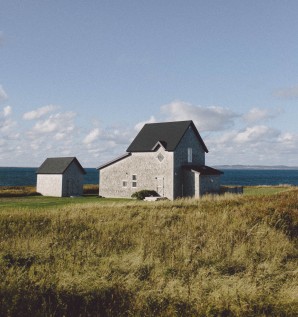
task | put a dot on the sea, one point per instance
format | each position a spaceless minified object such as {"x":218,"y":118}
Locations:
{"x":26,"y":176}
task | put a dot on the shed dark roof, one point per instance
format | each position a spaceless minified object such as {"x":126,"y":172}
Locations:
{"x":58,"y":165}
{"x":168,"y":134}
{"x":202,"y":169}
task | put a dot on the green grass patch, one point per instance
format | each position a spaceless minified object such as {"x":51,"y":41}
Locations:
{"x":265,"y":190}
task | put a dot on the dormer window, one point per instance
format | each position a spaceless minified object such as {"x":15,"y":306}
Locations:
{"x":189,"y":155}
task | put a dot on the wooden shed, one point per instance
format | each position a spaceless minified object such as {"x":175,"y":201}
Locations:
{"x":60,"y":177}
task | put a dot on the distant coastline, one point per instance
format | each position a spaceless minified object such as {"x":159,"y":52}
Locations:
{"x":256,"y":167}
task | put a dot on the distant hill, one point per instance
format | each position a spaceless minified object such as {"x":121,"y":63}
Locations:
{"x":257,"y":167}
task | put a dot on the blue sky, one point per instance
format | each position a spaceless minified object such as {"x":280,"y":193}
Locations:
{"x":80,"y":78}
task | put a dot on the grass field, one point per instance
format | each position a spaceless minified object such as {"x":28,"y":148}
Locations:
{"x":232,"y":255}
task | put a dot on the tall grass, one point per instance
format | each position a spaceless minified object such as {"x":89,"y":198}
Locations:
{"x":219,"y":256}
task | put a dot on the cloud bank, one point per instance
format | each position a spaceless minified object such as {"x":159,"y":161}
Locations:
{"x":232,"y":138}
{"x":213,"y":118}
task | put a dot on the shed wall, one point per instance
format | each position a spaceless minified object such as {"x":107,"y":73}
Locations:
{"x":73,"y":180}
{"x":49,"y":184}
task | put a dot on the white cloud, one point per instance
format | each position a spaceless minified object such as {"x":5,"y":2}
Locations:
{"x":49,"y":125}
{"x":59,"y":122}
{"x":7,"y":126}
{"x":256,"y":134}
{"x":254,"y":145}
{"x":38,"y":113}
{"x":255,"y":114}
{"x":6,"y":111}
{"x":287,"y":93}
{"x":212,"y":118}
{"x":140,"y":125}
{"x":3,"y":94}
{"x":258,"y":114}
{"x":91,"y":136}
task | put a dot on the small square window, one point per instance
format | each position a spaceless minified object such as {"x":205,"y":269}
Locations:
{"x":134,"y":177}
{"x":134,"y":184}
{"x":124,"y":183}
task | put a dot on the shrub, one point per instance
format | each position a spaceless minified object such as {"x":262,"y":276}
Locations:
{"x":140,"y":195}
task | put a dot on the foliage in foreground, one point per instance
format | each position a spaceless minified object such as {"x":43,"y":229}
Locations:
{"x":220,"y":256}
{"x":142,"y":194}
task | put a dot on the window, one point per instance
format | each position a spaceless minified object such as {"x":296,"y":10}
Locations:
{"x":124,"y":183}
{"x":189,"y":155}
{"x":134,"y":181}
{"x":160,"y":157}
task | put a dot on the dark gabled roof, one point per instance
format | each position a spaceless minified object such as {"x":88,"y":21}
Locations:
{"x":58,"y":165}
{"x":202,"y":169}
{"x":169,"y":134}
{"x":119,"y":158}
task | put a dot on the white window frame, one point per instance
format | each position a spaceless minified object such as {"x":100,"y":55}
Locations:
{"x":189,"y":155}
{"x":134,"y":181}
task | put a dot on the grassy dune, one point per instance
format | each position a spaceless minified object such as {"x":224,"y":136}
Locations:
{"x":219,"y":256}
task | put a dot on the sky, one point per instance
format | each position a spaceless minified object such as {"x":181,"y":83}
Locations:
{"x":81,"y":78}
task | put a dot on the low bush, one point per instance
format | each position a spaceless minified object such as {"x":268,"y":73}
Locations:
{"x":140,"y":195}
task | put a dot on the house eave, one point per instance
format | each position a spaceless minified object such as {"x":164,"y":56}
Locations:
{"x":203,"y":170}
{"x":119,"y":158}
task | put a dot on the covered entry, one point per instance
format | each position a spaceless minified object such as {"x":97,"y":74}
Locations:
{"x":200,"y":180}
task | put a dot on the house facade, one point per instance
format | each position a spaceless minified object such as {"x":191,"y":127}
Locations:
{"x":60,"y":177}
{"x":167,"y":157}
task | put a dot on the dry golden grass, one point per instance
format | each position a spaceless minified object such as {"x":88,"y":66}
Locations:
{"x":17,"y":191}
{"x":220,"y":256}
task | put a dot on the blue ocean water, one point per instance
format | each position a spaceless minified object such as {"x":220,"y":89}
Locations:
{"x":253,"y":177}
{"x":25,"y":176}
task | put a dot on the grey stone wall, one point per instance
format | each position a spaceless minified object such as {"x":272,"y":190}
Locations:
{"x":189,"y":140}
{"x":153,"y":170}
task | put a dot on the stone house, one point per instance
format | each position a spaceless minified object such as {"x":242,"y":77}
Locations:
{"x":60,"y":177}
{"x":167,"y":157}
